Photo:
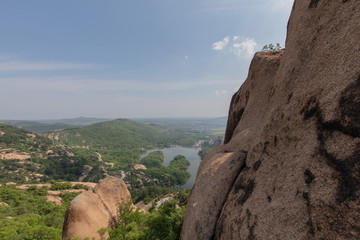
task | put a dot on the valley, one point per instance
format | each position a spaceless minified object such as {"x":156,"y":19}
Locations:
{"x":282,"y":162}
{"x":89,"y":153}
{"x":48,"y":169}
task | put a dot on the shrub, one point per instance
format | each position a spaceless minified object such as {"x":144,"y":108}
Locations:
{"x":271,"y":48}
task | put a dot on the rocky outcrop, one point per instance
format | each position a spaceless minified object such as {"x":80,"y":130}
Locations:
{"x":290,"y":165}
{"x":94,"y":209}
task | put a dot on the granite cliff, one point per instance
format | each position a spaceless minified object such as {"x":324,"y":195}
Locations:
{"x":290,"y":166}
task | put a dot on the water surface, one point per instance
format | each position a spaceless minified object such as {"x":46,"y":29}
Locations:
{"x":190,"y":154}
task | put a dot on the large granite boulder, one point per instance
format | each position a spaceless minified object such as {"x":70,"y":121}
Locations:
{"x":92,"y":210}
{"x":290,"y":166}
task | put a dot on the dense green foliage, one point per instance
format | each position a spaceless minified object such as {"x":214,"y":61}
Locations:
{"x":125,"y":134}
{"x":89,"y":153}
{"x":157,"y":174}
{"x":156,"y":192}
{"x":28,"y":214}
{"x":206,"y":147}
{"x":70,"y":168}
{"x":66,"y":185}
{"x":271,"y":48}
{"x":14,"y":171}
{"x":151,"y":192}
{"x":21,"y":140}
{"x":153,"y":159}
{"x":164,"y":223}
{"x":121,"y":142}
{"x":179,"y":162}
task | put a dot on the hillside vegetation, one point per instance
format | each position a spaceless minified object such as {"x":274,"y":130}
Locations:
{"x":29,"y":213}
{"x":90,"y":153}
{"x":120,"y":142}
{"x":26,"y":214}
{"x":21,"y":155}
{"x":125,"y":133}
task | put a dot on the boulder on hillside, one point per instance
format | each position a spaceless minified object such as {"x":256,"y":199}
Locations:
{"x":94,"y":209}
{"x":290,"y":166}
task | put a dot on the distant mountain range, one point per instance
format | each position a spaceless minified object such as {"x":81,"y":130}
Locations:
{"x":194,"y":124}
{"x":78,"y":120}
{"x":41,"y":126}
{"x":199,"y":124}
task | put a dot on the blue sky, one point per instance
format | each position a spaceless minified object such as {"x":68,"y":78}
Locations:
{"x":132,"y":59}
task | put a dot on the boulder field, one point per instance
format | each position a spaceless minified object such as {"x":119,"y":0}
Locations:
{"x":290,"y":165}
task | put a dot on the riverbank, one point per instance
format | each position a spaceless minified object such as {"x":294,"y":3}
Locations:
{"x":190,"y":153}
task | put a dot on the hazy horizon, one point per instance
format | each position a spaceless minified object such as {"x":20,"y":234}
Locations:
{"x":114,"y":118}
{"x":133,"y":59}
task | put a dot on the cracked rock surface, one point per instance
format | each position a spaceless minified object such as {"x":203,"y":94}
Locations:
{"x":290,"y":166}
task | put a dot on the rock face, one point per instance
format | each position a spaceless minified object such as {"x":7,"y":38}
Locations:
{"x":290,"y":166}
{"x":93,"y":210}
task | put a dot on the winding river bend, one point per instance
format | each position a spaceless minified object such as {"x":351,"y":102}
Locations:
{"x":191,"y":154}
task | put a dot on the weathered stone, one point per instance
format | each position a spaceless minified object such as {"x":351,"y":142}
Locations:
{"x":92,"y":210}
{"x":297,"y":116}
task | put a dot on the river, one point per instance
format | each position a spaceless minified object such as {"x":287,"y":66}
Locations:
{"x":190,"y":154}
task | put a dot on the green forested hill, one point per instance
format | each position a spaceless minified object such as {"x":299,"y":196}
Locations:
{"x":120,"y":142}
{"x":21,"y":140}
{"x":89,"y":154}
{"x":124,"y":133}
{"x":21,"y":155}
{"x":82,"y":154}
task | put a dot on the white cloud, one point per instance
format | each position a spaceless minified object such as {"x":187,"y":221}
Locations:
{"x":220,"y":45}
{"x":186,"y":57}
{"x":245,"y":49}
{"x":221,"y":93}
{"x":39,"y":66}
{"x":242,"y":47}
